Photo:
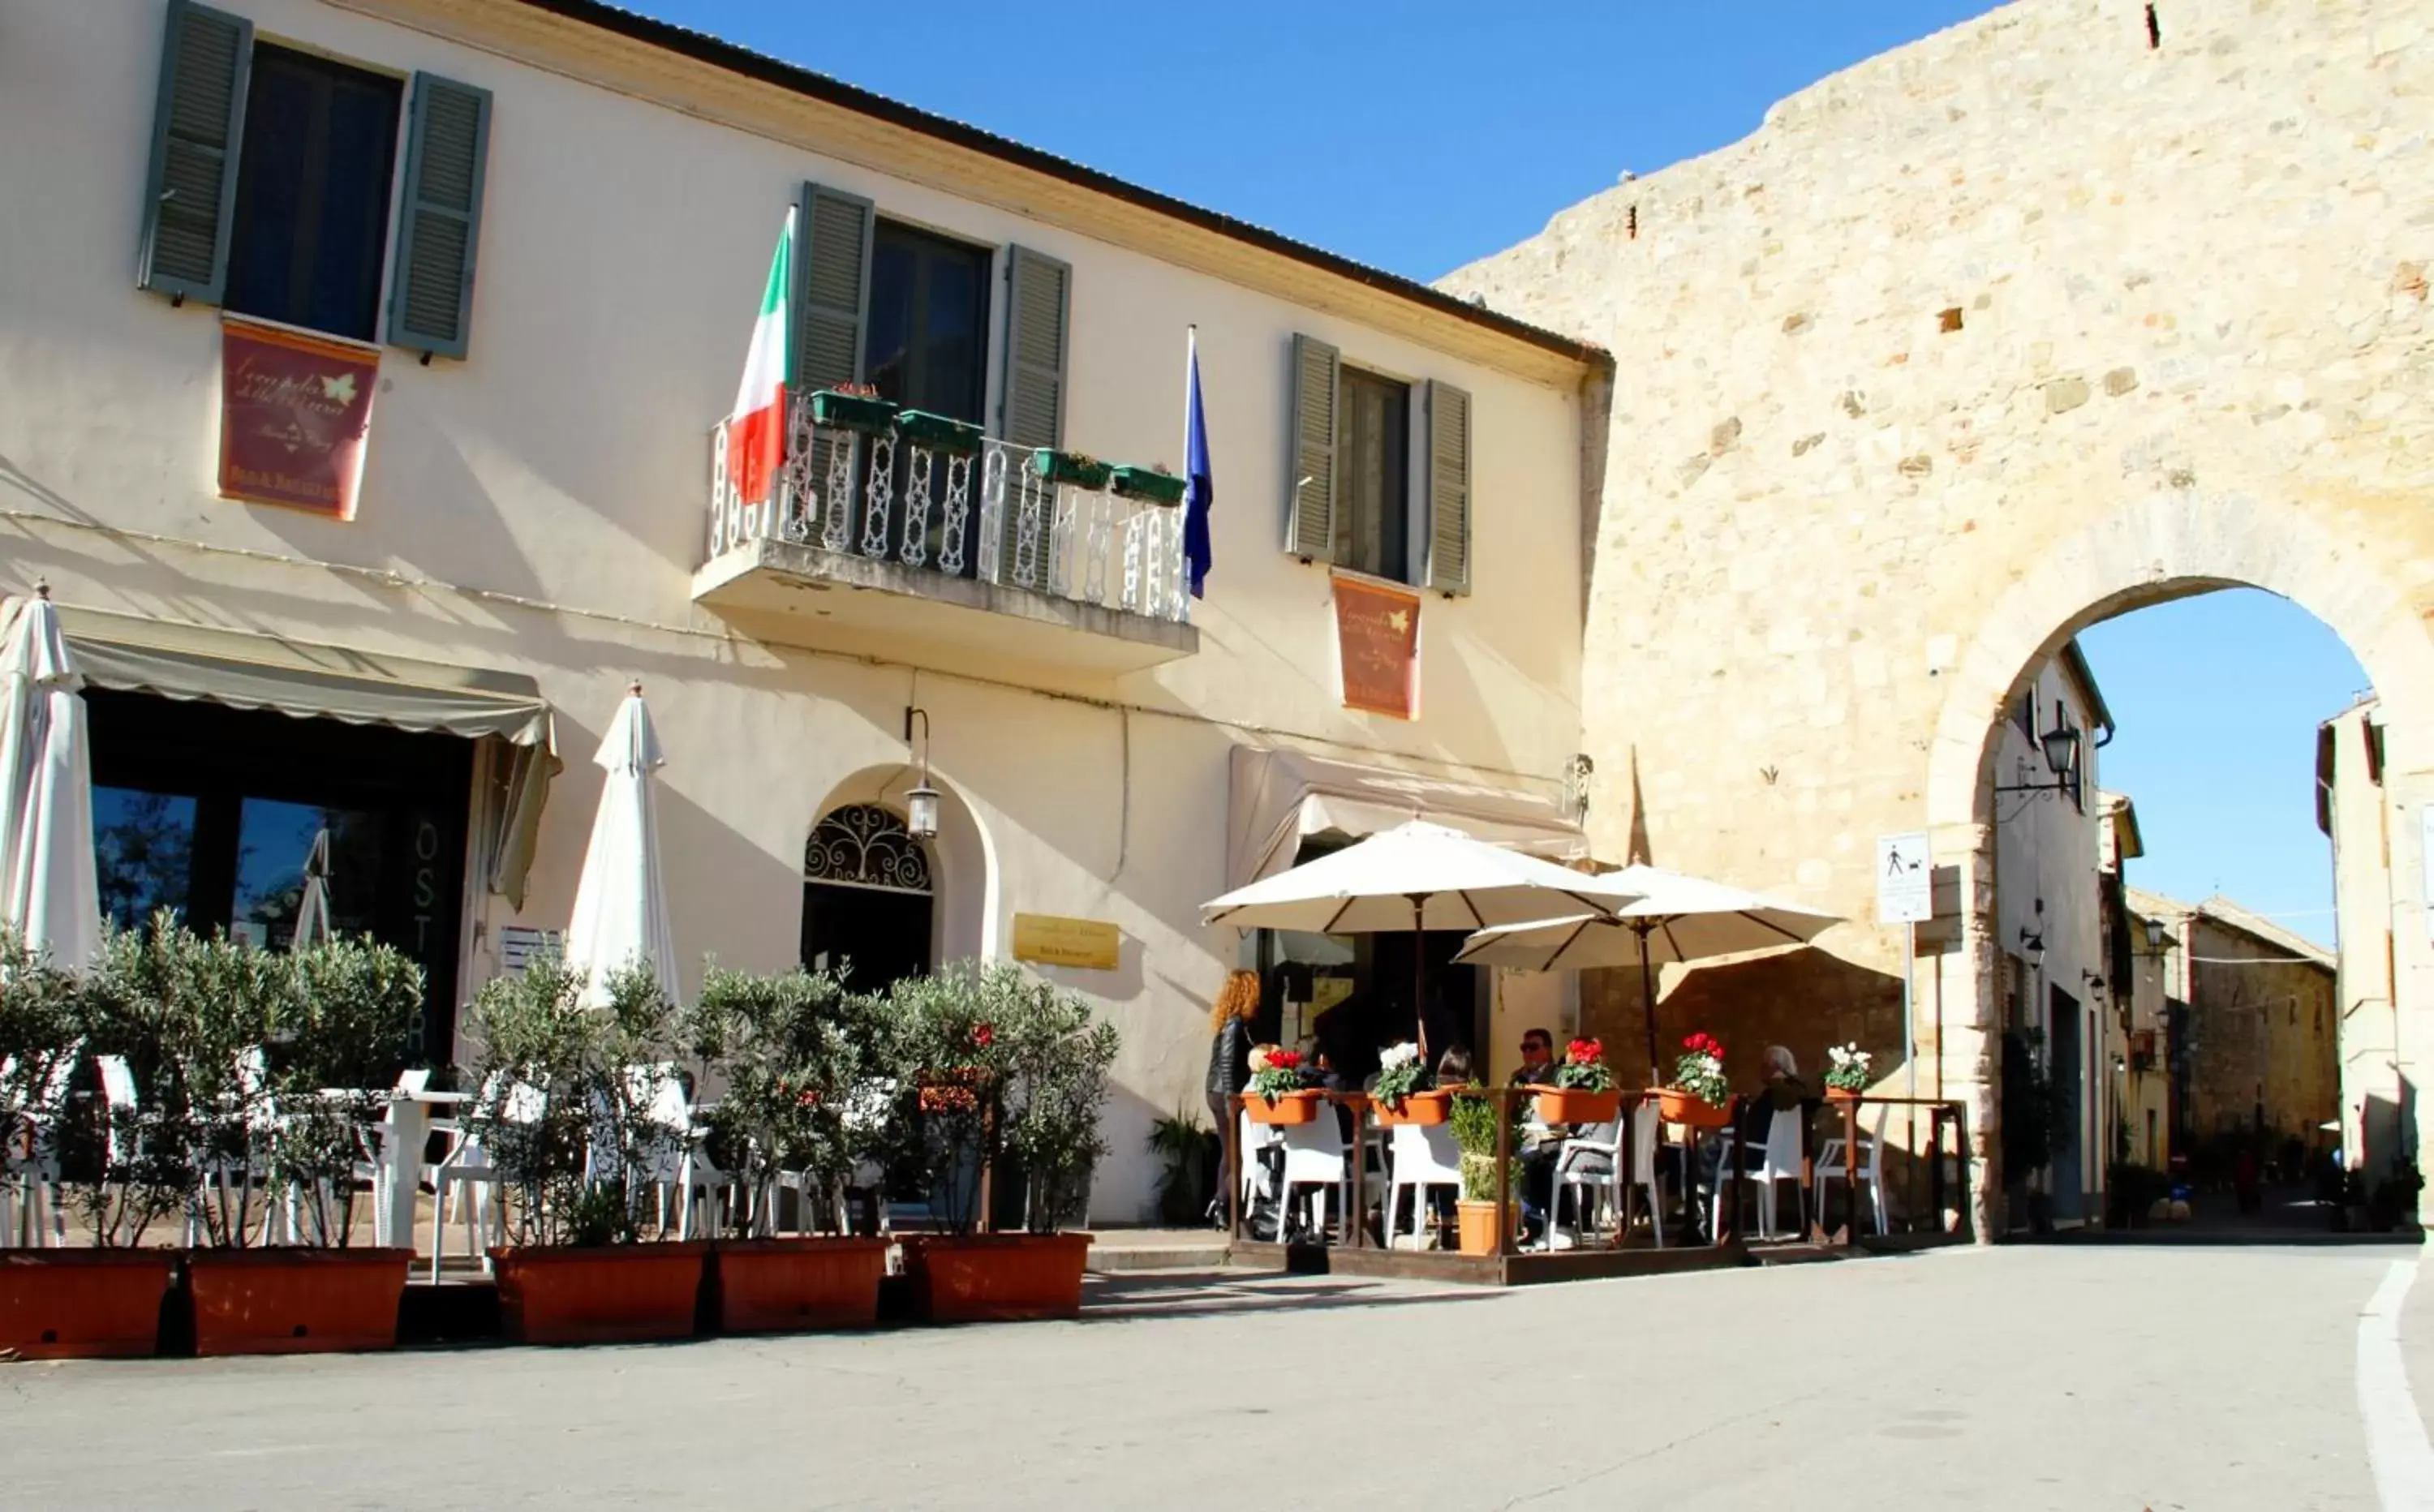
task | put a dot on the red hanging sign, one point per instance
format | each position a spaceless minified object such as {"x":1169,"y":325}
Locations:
{"x":294,"y":412}
{"x":1377,"y":645}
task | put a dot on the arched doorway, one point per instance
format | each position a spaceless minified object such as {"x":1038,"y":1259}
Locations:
{"x":2170,"y":547}
{"x":867,"y":898}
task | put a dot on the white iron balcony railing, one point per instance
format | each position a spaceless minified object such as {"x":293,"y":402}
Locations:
{"x":989,"y":515}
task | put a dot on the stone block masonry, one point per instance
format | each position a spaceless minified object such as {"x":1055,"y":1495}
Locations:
{"x":2044,"y":318}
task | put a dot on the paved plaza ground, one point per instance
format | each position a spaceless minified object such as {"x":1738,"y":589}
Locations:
{"x":2083,"y":1376}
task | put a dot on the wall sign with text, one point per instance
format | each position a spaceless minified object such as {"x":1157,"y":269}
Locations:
{"x":295,"y":408}
{"x":1378,"y":646}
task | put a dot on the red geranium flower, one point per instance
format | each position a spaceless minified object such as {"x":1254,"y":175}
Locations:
{"x":1581,"y":1052}
{"x":1284,"y":1060}
{"x":983,"y":1036}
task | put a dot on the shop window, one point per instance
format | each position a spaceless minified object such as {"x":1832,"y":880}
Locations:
{"x":212,"y":812}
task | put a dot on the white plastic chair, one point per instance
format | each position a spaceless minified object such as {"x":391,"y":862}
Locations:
{"x":1315,"y":1157}
{"x":468,"y":1166}
{"x":1831,"y":1158}
{"x":1256,"y":1179}
{"x":1647,"y":1125}
{"x":1585,"y":1170}
{"x":1424,"y":1156}
{"x":381,"y":1167}
{"x":1778,"y":1160}
{"x":680,"y":1166}
{"x":29,"y":1157}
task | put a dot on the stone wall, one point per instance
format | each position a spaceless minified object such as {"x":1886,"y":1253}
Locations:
{"x":1968,"y":347}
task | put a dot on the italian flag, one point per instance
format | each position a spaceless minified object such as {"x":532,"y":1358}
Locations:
{"x":756,"y":433}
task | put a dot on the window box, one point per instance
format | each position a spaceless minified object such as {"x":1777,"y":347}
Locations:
{"x":938,"y":432}
{"x":833,"y":411}
{"x":1070,"y":467}
{"x":1149,"y":484}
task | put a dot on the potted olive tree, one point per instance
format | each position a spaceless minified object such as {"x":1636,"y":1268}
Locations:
{"x":799,"y":1055}
{"x":102,"y":1298}
{"x":1474,"y":1116}
{"x":342,"y":1017}
{"x":1005,"y":1066}
{"x":564,"y":1112}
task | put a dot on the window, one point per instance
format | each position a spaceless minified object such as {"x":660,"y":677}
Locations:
{"x":270,"y":181}
{"x":1350,"y":499}
{"x":311,"y":234}
{"x":1373,"y":510}
{"x":929,"y":306}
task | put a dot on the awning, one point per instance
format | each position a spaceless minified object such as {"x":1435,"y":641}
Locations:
{"x":308,"y":680}
{"x":1280,"y":797}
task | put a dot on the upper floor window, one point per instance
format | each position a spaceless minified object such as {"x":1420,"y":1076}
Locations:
{"x":1349,"y":476}
{"x":312,"y":200}
{"x":1373,"y":509}
{"x":928,"y":343}
{"x":270,"y":183}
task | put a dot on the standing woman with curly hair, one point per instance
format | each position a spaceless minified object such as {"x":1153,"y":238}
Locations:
{"x":1230,"y":1046}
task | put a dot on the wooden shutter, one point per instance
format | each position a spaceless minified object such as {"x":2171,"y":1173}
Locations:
{"x":831,"y":288}
{"x":1031,"y":403}
{"x":1448,"y":490}
{"x":439,"y":216}
{"x":1318,"y":383}
{"x":197,"y":127}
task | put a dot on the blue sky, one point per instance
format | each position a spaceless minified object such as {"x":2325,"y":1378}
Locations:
{"x":1421,"y":135}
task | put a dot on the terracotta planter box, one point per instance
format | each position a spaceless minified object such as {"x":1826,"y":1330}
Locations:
{"x":1293,"y":1108}
{"x":1679,"y":1107}
{"x":82,"y":1304}
{"x":1842,"y":1094}
{"x":1570,"y":1105}
{"x":995,"y":1277}
{"x":296,"y":1301}
{"x":770,"y":1285}
{"x":615,"y":1293}
{"x":1419,"y":1108}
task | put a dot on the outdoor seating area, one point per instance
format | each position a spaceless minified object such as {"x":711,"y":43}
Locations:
{"x":1562,"y":1171}
{"x":1654,"y":1187}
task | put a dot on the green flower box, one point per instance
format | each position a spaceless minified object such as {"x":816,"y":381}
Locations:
{"x":938,"y":432}
{"x":1150,"y":484}
{"x":833,"y":411}
{"x":1070,"y":467}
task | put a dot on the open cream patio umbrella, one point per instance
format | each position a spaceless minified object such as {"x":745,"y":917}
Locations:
{"x":49,"y":888}
{"x":1417,"y":876}
{"x":621,"y":907}
{"x":1654,"y":916}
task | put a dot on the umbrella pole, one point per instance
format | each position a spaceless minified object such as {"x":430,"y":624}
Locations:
{"x":1419,"y":970}
{"x":1648,"y":1003}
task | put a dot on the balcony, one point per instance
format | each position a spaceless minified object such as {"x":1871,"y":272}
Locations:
{"x":898,"y":536}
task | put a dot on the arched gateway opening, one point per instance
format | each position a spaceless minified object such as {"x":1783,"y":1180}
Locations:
{"x":2172,"y":546}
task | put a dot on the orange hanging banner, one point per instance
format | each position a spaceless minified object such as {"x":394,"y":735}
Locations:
{"x":1378,"y":646}
{"x":295,"y":408}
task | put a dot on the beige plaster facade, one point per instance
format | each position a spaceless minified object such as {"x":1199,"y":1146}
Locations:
{"x":1987,"y":339}
{"x":2354,"y":809}
{"x":539,"y":508}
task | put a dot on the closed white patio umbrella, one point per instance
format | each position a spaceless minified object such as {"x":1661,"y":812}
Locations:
{"x":313,"y":907}
{"x":1656,"y":916}
{"x":49,"y":887}
{"x":621,"y":907}
{"x":1417,"y":877}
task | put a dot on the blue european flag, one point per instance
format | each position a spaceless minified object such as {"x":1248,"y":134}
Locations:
{"x":1199,"y":489}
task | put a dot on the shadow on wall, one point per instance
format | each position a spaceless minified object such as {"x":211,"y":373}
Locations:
{"x":1803,"y":1000}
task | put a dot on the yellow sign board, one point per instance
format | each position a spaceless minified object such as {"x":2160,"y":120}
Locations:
{"x":1091,"y":944}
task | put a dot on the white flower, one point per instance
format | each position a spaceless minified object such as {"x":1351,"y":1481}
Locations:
{"x":1399,"y":1055}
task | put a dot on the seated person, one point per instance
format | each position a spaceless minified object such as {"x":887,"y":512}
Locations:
{"x":1540,"y":1144}
{"x":1782,"y":1089}
{"x":1453,"y":1067}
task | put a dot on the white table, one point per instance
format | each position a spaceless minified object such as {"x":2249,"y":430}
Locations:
{"x":403,"y":1135}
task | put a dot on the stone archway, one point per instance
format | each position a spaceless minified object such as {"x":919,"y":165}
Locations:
{"x":2165,"y":546}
